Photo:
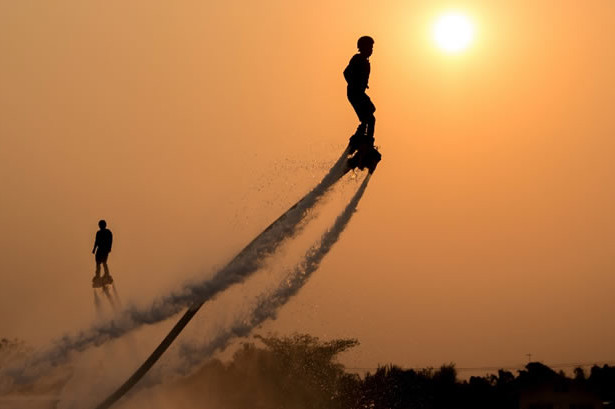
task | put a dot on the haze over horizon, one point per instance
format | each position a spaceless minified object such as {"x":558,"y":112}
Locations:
{"x":486,"y":233}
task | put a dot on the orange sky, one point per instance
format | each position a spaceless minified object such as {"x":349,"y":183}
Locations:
{"x":485,"y":234}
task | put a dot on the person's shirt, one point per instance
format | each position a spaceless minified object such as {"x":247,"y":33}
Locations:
{"x":357,"y":73}
{"x":104,"y":240}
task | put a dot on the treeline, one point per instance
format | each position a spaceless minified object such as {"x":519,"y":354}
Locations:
{"x":393,"y":387}
{"x":301,"y":372}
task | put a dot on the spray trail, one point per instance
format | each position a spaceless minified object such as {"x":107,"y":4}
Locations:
{"x":192,"y":295}
{"x":97,"y":304}
{"x":116,"y":296}
{"x":108,"y":296}
{"x":268,"y":304}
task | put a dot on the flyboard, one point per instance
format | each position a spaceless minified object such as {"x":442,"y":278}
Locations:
{"x":105,"y":283}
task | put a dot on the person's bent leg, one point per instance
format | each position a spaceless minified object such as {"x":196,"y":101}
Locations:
{"x":369,"y":118}
{"x":365,"y":111}
{"x":370,"y":124}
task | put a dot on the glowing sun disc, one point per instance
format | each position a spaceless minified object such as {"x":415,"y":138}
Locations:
{"x":453,"y":32}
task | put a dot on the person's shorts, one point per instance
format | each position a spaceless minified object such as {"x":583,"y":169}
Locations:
{"x":362,"y":105}
{"x":101,"y":257}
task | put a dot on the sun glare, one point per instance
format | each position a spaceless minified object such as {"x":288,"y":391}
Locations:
{"x":453,"y":32}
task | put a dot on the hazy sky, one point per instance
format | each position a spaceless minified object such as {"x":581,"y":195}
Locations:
{"x":485,"y":234}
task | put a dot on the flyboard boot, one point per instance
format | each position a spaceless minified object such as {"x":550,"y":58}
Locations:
{"x":365,"y":153}
{"x":107,"y":279}
{"x":357,"y":139}
{"x":97,"y":281}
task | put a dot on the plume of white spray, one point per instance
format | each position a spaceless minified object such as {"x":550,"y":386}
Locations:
{"x":236,"y":271}
{"x":268,"y":304}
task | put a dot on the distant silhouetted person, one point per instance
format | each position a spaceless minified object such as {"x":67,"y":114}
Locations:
{"x":357,"y":77}
{"x":102,"y":248}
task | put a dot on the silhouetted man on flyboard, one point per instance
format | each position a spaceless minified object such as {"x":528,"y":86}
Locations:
{"x":102,"y":248}
{"x":357,"y":77}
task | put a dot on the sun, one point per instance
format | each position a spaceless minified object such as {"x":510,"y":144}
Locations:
{"x":453,"y":32}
